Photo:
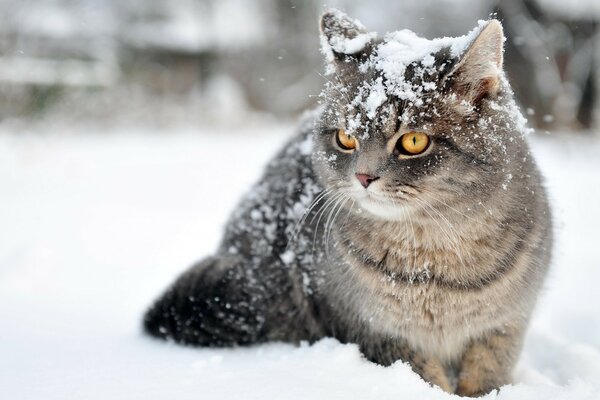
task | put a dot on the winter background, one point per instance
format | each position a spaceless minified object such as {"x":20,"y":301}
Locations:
{"x":128,"y":131}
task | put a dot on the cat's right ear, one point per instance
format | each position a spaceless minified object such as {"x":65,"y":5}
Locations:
{"x":343,"y":38}
{"x":478,"y":73}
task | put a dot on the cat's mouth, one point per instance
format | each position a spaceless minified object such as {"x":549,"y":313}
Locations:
{"x":381,"y":206}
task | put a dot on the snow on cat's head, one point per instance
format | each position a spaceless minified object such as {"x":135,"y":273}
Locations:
{"x":404,"y":115}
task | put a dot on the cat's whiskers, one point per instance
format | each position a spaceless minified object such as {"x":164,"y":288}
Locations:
{"x":428,"y":193}
{"x":332,"y":200}
{"x":339,"y":79}
{"x":334,"y":193}
{"x":331,"y":213}
{"x":297,"y":228}
{"x":407,"y":216}
{"x":454,"y":240}
{"x":401,"y":195}
{"x":328,"y":219}
{"x":349,"y":213}
{"x":412,"y":228}
{"x":450,"y":225}
{"x":384,"y":196}
{"x":328,"y":227}
{"x":335,"y":86}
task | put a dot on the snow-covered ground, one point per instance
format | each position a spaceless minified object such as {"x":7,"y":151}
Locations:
{"x":94,"y":225}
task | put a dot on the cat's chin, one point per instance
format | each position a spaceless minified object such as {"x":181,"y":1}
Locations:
{"x":385,"y":210}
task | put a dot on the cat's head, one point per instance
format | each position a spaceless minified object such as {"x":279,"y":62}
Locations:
{"x":406,"y":120}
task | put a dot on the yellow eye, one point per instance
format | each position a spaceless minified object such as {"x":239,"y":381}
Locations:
{"x":413,"y":143}
{"x":344,"y":140}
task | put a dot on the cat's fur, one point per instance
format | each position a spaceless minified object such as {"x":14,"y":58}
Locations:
{"x":437,"y":263}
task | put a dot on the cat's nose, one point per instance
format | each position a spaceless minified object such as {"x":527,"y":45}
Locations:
{"x":366,"y":179}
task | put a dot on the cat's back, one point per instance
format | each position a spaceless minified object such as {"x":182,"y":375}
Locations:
{"x":267,"y":217}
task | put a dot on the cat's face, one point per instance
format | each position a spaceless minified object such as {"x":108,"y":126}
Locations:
{"x":408,"y":122}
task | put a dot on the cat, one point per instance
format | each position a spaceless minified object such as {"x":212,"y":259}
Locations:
{"x":407,"y":216}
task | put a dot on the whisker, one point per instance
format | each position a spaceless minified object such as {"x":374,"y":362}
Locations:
{"x":428,"y":193}
{"x":454,"y":240}
{"x":302,"y":220}
{"x":328,"y":232}
{"x":312,"y":205}
{"x":334,"y":86}
{"x":326,"y":204}
{"x":412,"y":228}
{"x":321,"y":212}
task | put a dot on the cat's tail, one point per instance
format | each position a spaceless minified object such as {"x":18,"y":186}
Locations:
{"x":221,"y":302}
{"x":207,"y":306}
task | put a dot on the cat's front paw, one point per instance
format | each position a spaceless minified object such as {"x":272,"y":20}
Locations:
{"x":478,"y":379}
{"x":473,"y":385}
{"x":434,"y":373}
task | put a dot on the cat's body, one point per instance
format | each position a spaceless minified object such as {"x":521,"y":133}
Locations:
{"x":438,"y":264}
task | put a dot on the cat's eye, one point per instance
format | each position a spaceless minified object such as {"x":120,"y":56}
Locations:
{"x":412,"y":143}
{"x":345,"y":141}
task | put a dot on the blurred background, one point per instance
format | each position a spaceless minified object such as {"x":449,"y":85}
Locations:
{"x":164,"y":62}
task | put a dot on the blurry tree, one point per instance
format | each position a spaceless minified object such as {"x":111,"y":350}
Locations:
{"x":45,"y":48}
{"x":552,"y":60}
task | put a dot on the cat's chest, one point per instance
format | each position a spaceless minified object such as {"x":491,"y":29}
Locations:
{"x":407,"y":262}
{"x":423,"y":295}
{"x":431,"y":319}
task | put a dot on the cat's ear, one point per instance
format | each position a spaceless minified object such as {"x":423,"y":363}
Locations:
{"x":343,"y":37}
{"x":478,"y":73}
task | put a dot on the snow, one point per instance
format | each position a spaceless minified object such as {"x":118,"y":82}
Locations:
{"x":96,"y":224}
{"x":376,"y":98}
{"x":391,"y":58}
{"x":344,"y":45}
{"x":351,"y":46}
{"x":400,"y":49}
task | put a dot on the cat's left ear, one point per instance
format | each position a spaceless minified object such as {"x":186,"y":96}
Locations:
{"x":477,"y":74}
{"x":343,"y":38}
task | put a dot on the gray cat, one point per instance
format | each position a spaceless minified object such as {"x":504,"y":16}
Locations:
{"x":408,"y":216}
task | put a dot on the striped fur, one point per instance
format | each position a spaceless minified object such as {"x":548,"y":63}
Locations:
{"x":438,"y":263}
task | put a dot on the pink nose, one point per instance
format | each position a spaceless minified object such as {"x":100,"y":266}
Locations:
{"x":366,"y":179}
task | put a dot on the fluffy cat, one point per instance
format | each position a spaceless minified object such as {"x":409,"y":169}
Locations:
{"x":407,"y":216}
